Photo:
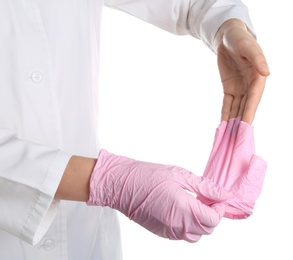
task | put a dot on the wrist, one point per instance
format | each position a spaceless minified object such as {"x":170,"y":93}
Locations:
{"x":227,"y":26}
{"x":74,"y":184}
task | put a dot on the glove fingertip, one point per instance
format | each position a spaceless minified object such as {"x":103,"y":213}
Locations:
{"x":220,"y":209}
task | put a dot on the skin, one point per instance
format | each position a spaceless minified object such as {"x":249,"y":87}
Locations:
{"x":75,"y":182}
{"x":243,"y":70}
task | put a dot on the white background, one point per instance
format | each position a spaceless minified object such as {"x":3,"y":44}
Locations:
{"x":160,"y":101}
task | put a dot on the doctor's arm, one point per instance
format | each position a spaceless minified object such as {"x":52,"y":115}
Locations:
{"x":225,"y":27}
{"x":74,"y":184}
{"x":29,"y":176}
{"x":152,"y":195}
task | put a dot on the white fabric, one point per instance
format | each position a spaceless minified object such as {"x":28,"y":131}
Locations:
{"x":48,"y":92}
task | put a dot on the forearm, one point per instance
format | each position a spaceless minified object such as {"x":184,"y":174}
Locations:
{"x":74,"y":184}
{"x":199,"y":18}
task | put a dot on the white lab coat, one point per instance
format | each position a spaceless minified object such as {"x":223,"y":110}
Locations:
{"x":49,"y":52}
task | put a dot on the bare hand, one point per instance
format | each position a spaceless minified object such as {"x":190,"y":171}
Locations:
{"x":243,"y":70}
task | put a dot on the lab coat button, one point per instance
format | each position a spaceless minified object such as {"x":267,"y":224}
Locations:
{"x":48,"y":244}
{"x":36,"y":77}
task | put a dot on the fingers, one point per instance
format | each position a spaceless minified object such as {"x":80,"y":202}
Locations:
{"x":204,"y":187}
{"x":206,"y":217}
{"x":242,"y":106}
{"x":226,"y":108}
{"x":245,"y":106}
{"x":236,"y":107}
{"x":254,"y":55}
{"x":202,"y":220}
{"x":243,"y":69}
{"x":182,"y":217}
{"x":253,"y":99}
{"x":233,"y":107}
{"x":211,"y":216}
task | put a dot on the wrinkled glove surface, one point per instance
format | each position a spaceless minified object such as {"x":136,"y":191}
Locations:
{"x":233,"y":165}
{"x":154,"y":196}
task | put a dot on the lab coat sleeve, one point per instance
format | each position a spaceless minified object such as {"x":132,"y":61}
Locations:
{"x":29,"y":176}
{"x":199,"y":18}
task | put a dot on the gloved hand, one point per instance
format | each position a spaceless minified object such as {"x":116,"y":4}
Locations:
{"x":234,"y":166}
{"x":154,"y":196}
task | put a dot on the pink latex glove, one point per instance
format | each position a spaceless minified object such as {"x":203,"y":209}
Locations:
{"x":234,"y":166}
{"x":154,"y":196}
